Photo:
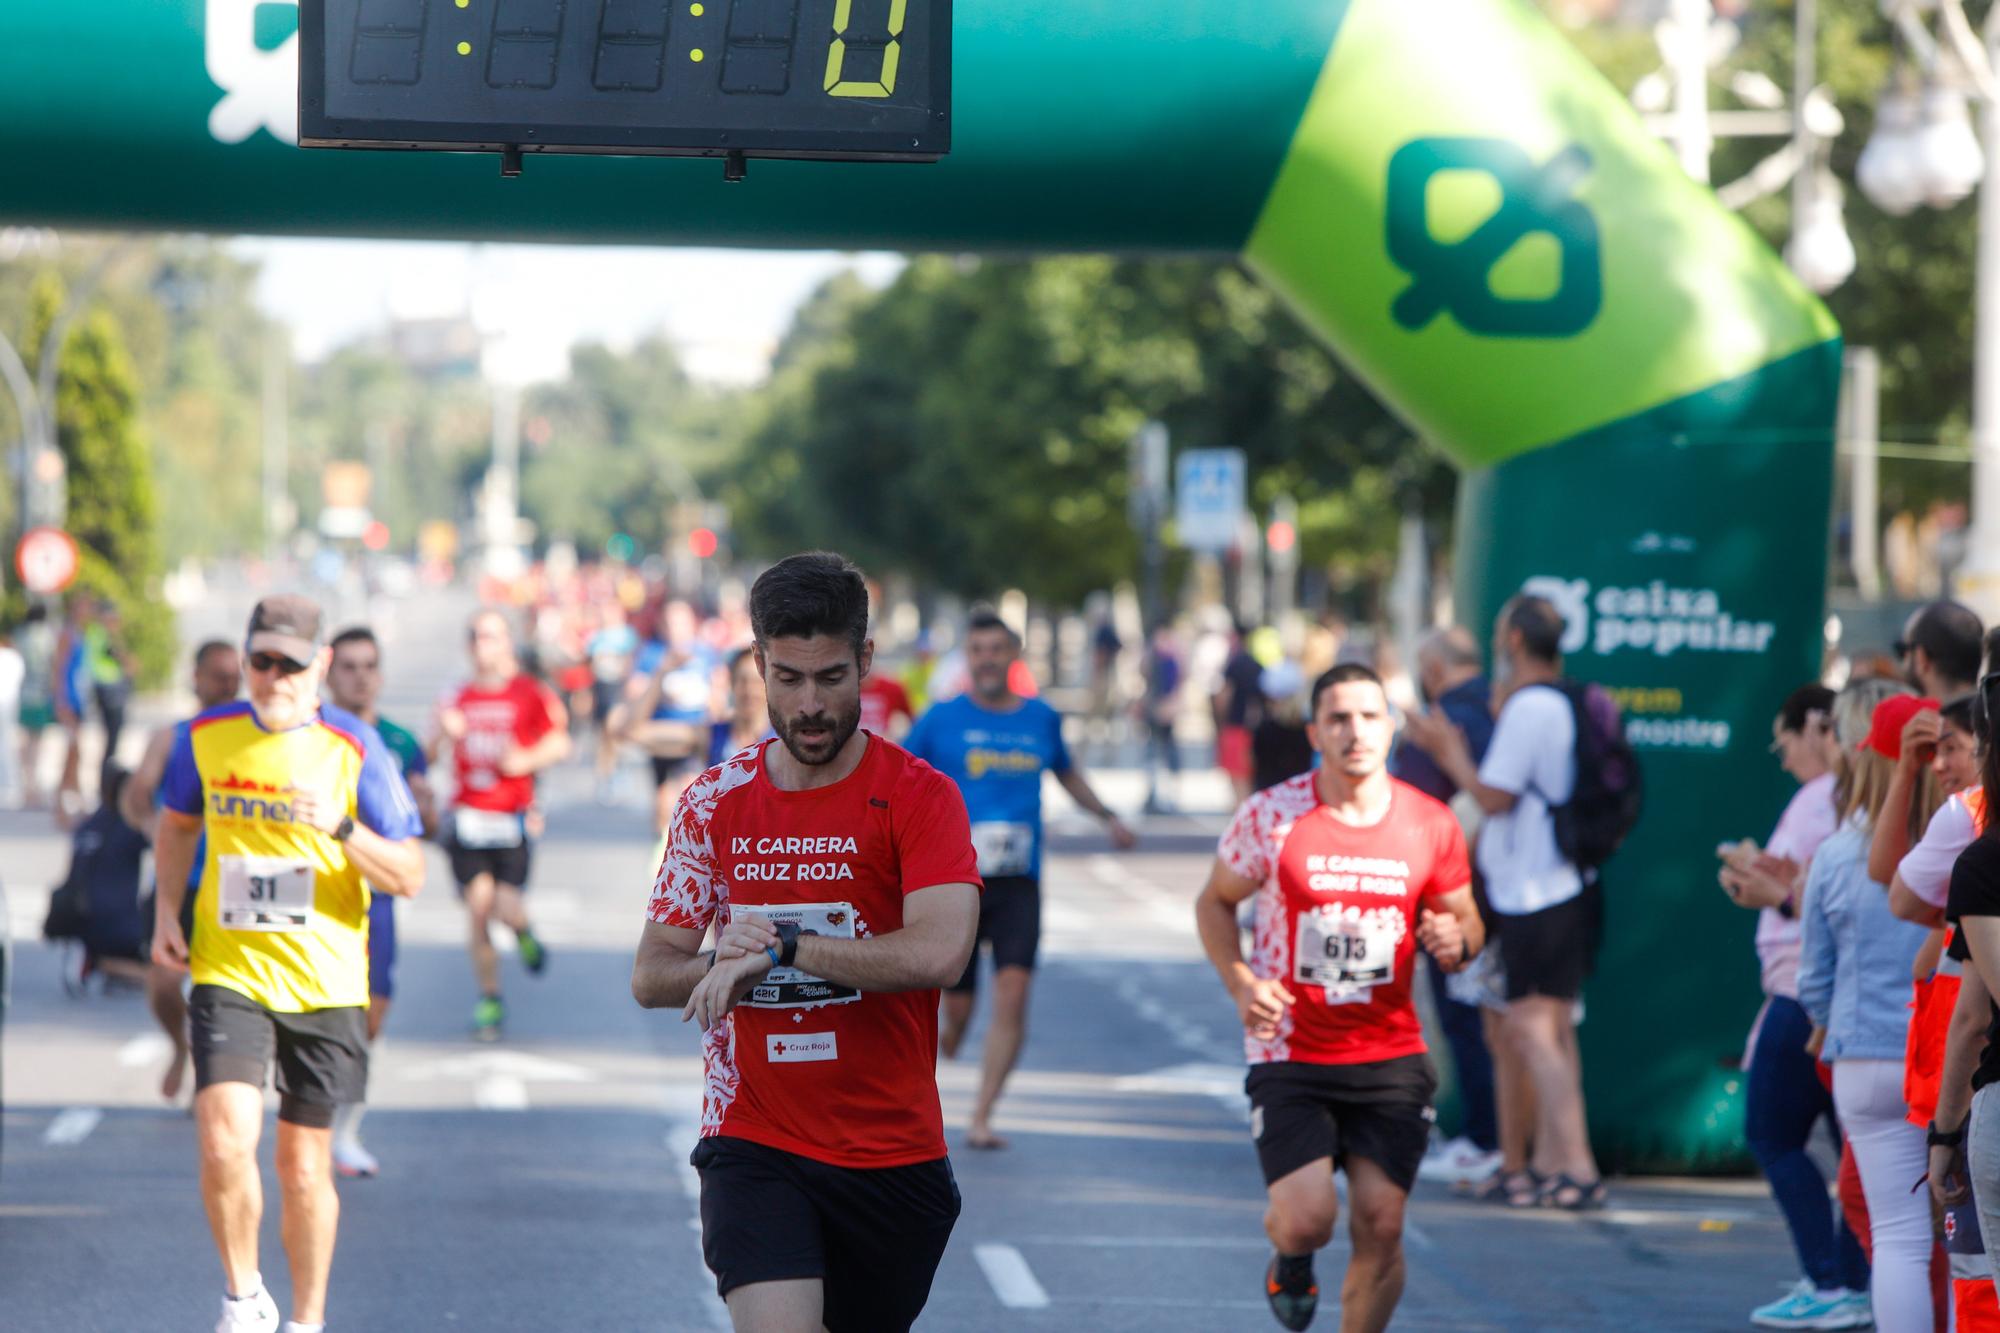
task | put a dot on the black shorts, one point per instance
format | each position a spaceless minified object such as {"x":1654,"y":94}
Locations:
{"x":507,"y":865}
{"x":1010,"y":919}
{"x":1301,"y":1112}
{"x":873,"y":1237}
{"x":666,"y":770}
{"x":322,"y":1054}
{"x":603,"y":698}
{"x":1551,"y":952}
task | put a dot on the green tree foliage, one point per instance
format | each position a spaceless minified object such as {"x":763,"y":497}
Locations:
{"x":970,"y":425}
{"x":1911,"y":294}
{"x":112,"y":508}
{"x":620,"y":444}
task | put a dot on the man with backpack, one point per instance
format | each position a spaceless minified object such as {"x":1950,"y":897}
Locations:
{"x":1550,"y":821}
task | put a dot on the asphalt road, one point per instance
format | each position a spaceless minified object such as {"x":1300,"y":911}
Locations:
{"x":540,"y":1183}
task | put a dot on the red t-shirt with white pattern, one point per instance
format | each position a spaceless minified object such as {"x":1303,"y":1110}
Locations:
{"x":804,"y":1065}
{"x":1336,"y":916}
{"x":520,"y":712}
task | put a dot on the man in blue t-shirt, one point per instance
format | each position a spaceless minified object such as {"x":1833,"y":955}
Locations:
{"x":995,"y":745}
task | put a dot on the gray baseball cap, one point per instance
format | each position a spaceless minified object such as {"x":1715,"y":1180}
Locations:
{"x":288,"y":624}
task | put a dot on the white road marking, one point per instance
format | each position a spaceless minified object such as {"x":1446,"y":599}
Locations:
{"x":72,"y":1127}
{"x":500,"y":1092}
{"x":517,"y":1065}
{"x":682,"y":1135}
{"x":1010,"y":1277}
{"x":1156,"y":1242}
{"x":145,"y":1049}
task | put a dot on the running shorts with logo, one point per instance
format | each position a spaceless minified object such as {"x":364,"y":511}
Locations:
{"x":1336,"y":910}
{"x":487,"y":831}
{"x":282,"y":913}
{"x":820,"y":1097}
{"x":409,"y":753}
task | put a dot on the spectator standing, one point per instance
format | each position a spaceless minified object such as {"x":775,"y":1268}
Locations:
{"x":1450,"y":679}
{"x":1784,"y":1099}
{"x":1547,"y":914}
{"x":1854,"y":975}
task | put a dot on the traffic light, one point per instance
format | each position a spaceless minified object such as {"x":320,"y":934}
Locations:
{"x":702,"y":543}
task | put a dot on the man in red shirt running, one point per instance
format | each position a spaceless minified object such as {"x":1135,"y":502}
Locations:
{"x":1351,"y":871}
{"x":502,"y":729}
{"x":839,"y":875}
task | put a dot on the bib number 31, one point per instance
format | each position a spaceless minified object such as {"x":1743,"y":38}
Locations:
{"x":270,"y":893}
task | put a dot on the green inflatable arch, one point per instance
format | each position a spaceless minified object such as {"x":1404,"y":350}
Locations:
{"x":1641,"y":395}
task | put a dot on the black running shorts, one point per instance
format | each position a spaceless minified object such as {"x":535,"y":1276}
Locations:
{"x":1010,"y":920}
{"x":872,"y":1237}
{"x":1553,"y":951}
{"x":1301,"y":1112}
{"x":507,"y":865}
{"x":322,"y":1054}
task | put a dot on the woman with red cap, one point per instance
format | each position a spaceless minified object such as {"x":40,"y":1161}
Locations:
{"x":1854,"y":979}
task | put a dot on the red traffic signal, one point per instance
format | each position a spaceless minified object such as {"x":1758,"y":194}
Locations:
{"x":1281,"y":536}
{"x":702,"y":543}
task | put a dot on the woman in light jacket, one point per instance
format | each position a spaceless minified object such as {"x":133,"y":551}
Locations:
{"x":1854,"y":982}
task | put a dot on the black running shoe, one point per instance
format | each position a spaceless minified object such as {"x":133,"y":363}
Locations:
{"x":1289,"y":1286}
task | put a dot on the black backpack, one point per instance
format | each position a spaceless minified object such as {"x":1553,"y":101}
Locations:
{"x":98,"y":902}
{"x":1610,"y":788}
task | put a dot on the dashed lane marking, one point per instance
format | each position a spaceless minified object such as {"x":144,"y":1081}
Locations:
{"x":1010,"y":1277}
{"x":72,"y":1127}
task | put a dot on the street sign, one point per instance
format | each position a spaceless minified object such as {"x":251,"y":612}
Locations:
{"x":46,"y":560}
{"x":1209,"y":488}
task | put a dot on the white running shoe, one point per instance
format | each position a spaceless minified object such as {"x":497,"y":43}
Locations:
{"x":258,"y":1314}
{"x":1459,"y":1161}
{"x":353,"y":1161}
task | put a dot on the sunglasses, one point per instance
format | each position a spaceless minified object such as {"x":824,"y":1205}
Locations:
{"x":277,"y":662}
{"x":1901,"y":647}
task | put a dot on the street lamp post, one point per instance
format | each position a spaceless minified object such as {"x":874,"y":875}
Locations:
{"x":1924,"y":151}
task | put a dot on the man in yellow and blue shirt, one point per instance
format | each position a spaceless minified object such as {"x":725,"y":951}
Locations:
{"x":305,"y":812}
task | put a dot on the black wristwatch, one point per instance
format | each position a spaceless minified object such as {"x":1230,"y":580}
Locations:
{"x":1937,"y":1138}
{"x":788,"y":943}
{"x":344,"y":829}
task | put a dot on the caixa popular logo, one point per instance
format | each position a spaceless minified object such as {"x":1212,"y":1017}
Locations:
{"x":251,"y":49}
{"x":1654,"y":617}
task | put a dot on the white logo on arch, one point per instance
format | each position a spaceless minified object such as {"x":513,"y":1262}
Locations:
{"x":1571,"y":599}
{"x":260,"y":89}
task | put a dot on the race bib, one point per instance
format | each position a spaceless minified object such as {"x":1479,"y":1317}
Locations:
{"x":1345,"y":955}
{"x":265,"y":893}
{"x":1003,"y":848}
{"x":788,"y":987}
{"x":479,"y":830}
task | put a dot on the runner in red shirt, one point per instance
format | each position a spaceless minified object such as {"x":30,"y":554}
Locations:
{"x":1351,"y":871}
{"x":883,"y":700}
{"x":502,"y":729}
{"x":839,"y":875}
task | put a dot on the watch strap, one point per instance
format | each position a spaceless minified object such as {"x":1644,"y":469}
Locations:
{"x":788,"y":943}
{"x":1938,"y":1138}
{"x":345,"y":829}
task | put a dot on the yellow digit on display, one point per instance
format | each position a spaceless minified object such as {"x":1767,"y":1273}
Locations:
{"x":836,"y":55}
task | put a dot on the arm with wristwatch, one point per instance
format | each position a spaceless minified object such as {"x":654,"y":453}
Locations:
{"x":1967,"y":1033}
{"x":929,"y":951}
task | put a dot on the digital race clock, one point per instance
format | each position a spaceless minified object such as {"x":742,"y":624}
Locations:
{"x":853,"y":79}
